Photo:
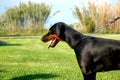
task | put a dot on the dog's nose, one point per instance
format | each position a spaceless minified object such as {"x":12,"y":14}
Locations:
{"x":42,"y":38}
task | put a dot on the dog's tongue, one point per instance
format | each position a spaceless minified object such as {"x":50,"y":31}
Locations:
{"x":52,"y":43}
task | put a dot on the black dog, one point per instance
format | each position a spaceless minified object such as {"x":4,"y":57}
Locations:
{"x":93,"y":54}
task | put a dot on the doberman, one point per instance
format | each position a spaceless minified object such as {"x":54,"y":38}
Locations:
{"x":93,"y":54}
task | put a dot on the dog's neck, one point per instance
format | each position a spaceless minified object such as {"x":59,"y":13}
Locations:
{"x":73,"y":38}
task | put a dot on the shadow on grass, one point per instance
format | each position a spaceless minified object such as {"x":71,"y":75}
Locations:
{"x":2,"y":43}
{"x":35,"y":76}
{"x":2,"y":71}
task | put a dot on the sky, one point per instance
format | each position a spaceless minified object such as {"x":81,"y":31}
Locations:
{"x":65,"y":7}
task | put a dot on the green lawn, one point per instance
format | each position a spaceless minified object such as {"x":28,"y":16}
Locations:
{"x":27,"y":58}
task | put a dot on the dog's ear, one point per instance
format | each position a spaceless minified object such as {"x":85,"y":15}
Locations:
{"x":58,"y":28}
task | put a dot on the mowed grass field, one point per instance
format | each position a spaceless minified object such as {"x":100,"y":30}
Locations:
{"x":27,"y":58}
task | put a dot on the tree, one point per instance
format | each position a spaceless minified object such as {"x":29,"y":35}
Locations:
{"x":86,"y":19}
{"x":26,"y":17}
{"x":95,"y":16}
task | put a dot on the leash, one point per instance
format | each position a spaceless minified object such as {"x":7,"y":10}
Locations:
{"x":103,"y":27}
{"x":106,"y":25}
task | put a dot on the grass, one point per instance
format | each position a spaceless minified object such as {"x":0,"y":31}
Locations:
{"x":27,"y":58}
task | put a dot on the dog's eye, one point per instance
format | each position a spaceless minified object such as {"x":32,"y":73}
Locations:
{"x":51,"y":32}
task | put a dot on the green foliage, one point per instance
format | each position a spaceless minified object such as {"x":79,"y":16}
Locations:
{"x":29,"y":17}
{"x":85,"y":19}
{"x":77,"y":13}
{"x":90,"y":25}
{"x":94,"y":17}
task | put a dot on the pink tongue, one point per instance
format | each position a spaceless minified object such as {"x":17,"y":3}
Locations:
{"x":52,"y":43}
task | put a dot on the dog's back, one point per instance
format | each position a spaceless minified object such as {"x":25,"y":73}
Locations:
{"x":102,"y":54}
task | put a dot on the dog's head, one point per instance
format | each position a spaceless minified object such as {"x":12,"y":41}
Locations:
{"x":55,"y":33}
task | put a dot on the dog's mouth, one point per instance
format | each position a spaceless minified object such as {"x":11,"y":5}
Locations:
{"x":53,"y":43}
{"x":54,"y":38}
